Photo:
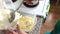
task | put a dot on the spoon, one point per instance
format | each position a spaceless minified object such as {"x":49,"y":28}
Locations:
{"x":12,"y":14}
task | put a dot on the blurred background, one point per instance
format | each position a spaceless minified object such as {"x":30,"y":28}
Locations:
{"x":53,"y":16}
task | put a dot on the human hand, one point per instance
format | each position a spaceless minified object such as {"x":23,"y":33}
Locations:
{"x":18,"y":31}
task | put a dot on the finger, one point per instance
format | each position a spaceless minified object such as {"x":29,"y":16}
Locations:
{"x":20,"y":31}
{"x":15,"y":32}
{"x":9,"y":32}
{"x":18,"y":27}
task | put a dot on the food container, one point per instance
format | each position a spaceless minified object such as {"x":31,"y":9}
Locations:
{"x":31,"y":3}
{"x":27,"y":17}
{"x":12,"y":4}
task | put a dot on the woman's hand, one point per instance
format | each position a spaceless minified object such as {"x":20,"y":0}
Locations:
{"x":18,"y":31}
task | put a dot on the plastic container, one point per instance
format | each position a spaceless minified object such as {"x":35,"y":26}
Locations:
{"x":32,"y":16}
{"x":31,"y":3}
{"x":12,"y":4}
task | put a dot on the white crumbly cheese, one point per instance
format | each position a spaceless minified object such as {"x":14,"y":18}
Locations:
{"x":17,"y":17}
{"x":4,"y":23}
{"x":1,"y":17}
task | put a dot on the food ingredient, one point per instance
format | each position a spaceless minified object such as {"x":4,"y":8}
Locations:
{"x":26,"y":22}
